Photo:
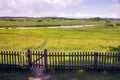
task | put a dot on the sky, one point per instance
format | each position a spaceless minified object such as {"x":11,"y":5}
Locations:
{"x":60,"y":8}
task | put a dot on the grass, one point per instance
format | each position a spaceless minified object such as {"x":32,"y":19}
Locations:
{"x":60,"y":39}
{"x":63,"y":75}
{"x":83,"y":75}
{"x":14,"y":75}
{"x":47,"y":23}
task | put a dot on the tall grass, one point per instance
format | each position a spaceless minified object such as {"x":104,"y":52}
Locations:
{"x":85,"y":39}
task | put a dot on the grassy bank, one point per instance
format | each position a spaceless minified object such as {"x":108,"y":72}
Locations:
{"x":47,"y":23}
{"x":60,"y":39}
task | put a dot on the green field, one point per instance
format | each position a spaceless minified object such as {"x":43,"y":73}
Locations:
{"x":61,"y":39}
{"x":98,"y":38}
{"x":47,"y":23}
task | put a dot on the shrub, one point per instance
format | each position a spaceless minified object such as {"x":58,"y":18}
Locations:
{"x":109,"y":24}
{"x":117,"y":24}
{"x":39,"y":20}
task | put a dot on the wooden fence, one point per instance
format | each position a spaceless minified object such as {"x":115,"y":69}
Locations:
{"x":59,"y":60}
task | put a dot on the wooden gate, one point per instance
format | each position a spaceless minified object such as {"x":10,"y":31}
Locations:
{"x":37,"y":59}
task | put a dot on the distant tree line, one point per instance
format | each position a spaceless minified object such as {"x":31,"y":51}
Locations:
{"x":44,"y":19}
{"x":104,"y":19}
{"x":19,"y":19}
{"x":109,"y":22}
{"x":34,"y":19}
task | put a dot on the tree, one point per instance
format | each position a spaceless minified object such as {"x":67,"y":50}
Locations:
{"x":96,"y":19}
{"x":109,"y":23}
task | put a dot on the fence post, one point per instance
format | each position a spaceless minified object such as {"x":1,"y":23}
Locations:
{"x":45,"y":59}
{"x":29,"y":59}
{"x":95,"y":60}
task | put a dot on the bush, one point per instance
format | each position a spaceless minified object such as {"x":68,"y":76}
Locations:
{"x":117,"y":24}
{"x":39,"y":20}
{"x":109,"y":24}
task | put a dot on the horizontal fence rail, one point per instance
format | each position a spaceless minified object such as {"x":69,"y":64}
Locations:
{"x":59,"y":60}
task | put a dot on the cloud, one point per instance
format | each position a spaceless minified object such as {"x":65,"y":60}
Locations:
{"x":88,"y":15}
{"x":76,"y":15}
{"x":41,"y":4}
{"x":33,"y":7}
{"x":59,"y":8}
{"x":63,"y":3}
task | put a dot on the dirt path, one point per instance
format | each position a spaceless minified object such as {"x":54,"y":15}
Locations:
{"x":39,"y":75}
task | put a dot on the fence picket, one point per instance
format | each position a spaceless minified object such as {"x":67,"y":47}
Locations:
{"x":55,"y":59}
{"x":61,"y":60}
{"x":75,"y":61}
{"x":80,"y":59}
{"x":99,"y":60}
{"x":87,"y":57}
{"x":64,"y":60}
{"x":50,"y":59}
{"x":35,"y":59}
{"x":72,"y":59}
{"x":2,"y":57}
{"x":69,"y":61}
{"x":83,"y":59}
{"x":119,"y":60}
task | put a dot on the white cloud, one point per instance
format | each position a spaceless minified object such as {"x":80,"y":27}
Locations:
{"x":63,"y":3}
{"x":55,"y":8}
{"x":76,"y":15}
{"x":20,"y":4}
{"x":33,"y":7}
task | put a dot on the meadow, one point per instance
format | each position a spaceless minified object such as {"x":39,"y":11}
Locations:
{"x":61,"y":39}
{"x":99,"y":38}
{"x":47,"y":23}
